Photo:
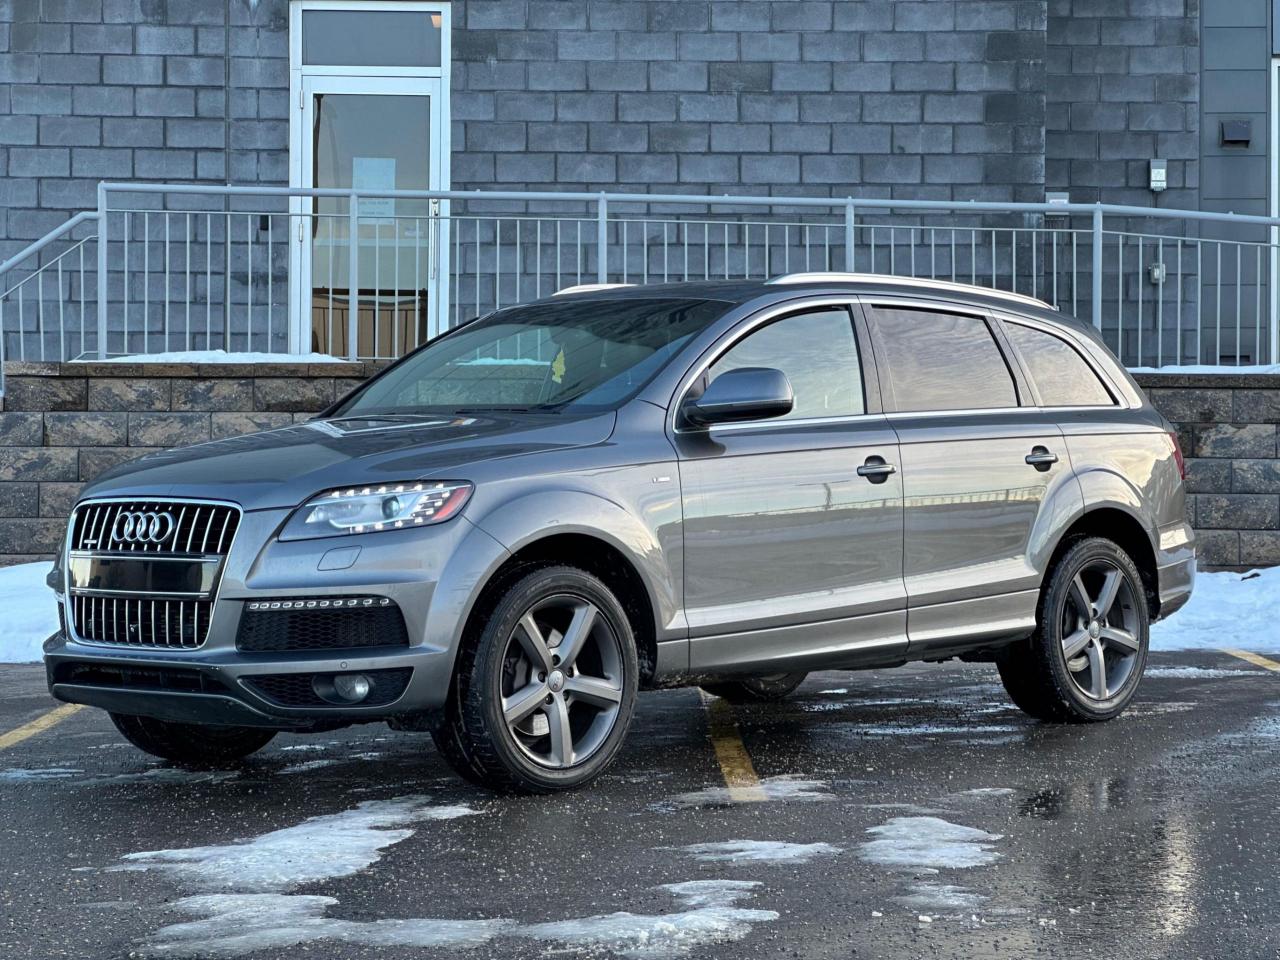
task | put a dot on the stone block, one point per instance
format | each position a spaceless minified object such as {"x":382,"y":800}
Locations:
{"x":213,"y":395}
{"x":38,"y":536}
{"x":21,"y":429}
{"x":19,"y":499}
{"x":1255,"y":440}
{"x":167,"y":429}
{"x":236,"y":424}
{"x":57,"y":499}
{"x":1255,"y":476}
{"x":1189,"y":405}
{"x":1257,"y":406}
{"x":1208,"y":476}
{"x":86,"y":429}
{"x":95,"y":461}
{"x":1217,"y":548}
{"x":1238,"y":511}
{"x":140,"y":396}
{"x":37,"y":463}
{"x":1260,"y":548}
{"x":292,"y":394}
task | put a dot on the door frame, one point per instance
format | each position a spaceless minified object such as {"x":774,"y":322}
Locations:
{"x":433,"y":82}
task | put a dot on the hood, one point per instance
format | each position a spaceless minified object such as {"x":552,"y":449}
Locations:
{"x":282,"y":468}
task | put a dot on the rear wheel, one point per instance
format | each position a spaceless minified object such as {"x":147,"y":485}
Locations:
{"x":764,"y":689}
{"x":544,"y":691}
{"x":1086,"y":658}
{"x":190,"y":743}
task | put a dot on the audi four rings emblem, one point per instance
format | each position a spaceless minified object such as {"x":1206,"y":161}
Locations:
{"x":138,"y":526}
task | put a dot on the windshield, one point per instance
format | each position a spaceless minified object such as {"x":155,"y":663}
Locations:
{"x":579,"y":355}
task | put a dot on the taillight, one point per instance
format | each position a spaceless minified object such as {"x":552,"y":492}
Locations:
{"x":1177,"y":455}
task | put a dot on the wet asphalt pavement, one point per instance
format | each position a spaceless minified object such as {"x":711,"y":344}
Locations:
{"x":929,"y":818}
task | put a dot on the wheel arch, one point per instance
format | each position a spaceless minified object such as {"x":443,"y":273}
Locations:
{"x":1125,"y":529}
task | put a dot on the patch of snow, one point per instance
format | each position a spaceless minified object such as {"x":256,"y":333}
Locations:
{"x":30,"y":612}
{"x":711,"y":915}
{"x":823,"y":706}
{"x":983,"y":792}
{"x":836,"y":690}
{"x":929,"y":729}
{"x":306,"y":766}
{"x":1199,"y":673}
{"x":18,"y":775}
{"x":222,"y":356}
{"x":303,"y":746}
{"x":782,"y":788}
{"x":920,"y":843}
{"x":756,"y":851}
{"x":927,"y":895}
{"x":1209,"y":368}
{"x":319,"y":848}
{"x":232,"y":924}
{"x":1225,"y":610}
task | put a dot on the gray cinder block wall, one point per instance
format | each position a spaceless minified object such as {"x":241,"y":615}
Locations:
{"x":993,"y":99}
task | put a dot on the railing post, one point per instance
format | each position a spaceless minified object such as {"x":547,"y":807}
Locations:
{"x":1097,"y":267}
{"x":849,"y":234}
{"x":353,"y":277}
{"x":102,"y":272}
{"x":602,"y":239}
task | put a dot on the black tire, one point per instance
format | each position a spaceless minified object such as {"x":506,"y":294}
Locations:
{"x":1035,"y":671}
{"x":191,"y":744}
{"x":475,"y":739}
{"x":756,"y":689}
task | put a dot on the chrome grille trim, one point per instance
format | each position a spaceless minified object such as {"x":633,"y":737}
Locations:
{"x":204,"y":532}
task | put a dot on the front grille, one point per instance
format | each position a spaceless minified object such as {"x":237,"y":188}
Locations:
{"x":145,"y":572}
{"x":139,"y":678}
{"x":198,"y":528}
{"x":298,"y":689}
{"x":146,"y":622}
{"x":265,"y":628}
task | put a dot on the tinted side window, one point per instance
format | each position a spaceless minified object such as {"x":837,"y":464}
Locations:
{"x":818,"y":354}
{"x":943,"y":361}
{"x":1061,"y":375}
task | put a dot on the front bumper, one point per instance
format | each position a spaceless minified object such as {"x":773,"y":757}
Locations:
{"x":429,"y":574}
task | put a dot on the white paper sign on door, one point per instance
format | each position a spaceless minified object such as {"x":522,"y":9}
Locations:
{"x":375,"y":173}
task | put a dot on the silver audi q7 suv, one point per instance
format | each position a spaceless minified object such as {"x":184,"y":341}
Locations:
{"x":504,"y":536}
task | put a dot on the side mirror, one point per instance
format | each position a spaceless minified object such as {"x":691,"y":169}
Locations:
{"x":748,"y":393}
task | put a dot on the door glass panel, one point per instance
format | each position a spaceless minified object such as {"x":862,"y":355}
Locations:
{"x":373,"y":38}
{"x":372,"y":142}
{"x":818,"y":354}
{"x":943,"y":361}
{"x":1061,"y":375}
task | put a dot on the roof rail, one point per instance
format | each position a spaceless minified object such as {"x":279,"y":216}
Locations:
{"x":944,"y":285}
{"x":591,"y":287}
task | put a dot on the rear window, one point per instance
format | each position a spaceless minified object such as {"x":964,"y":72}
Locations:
{"x":1061,"y":375}
{"x":942,"y":361}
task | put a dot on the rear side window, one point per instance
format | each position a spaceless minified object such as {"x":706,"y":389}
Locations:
{"x":943,"y":361}
{"x":1061,"y":375}
{"x":818,"y":354}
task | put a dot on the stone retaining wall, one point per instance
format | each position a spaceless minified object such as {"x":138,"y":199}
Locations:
{"x":63,"y":424}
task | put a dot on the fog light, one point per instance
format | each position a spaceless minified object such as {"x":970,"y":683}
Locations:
{"x":352,"y":687}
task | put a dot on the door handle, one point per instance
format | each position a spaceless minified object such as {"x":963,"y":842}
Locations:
{"x":1041,"y":458}
{"x":876,"y":470}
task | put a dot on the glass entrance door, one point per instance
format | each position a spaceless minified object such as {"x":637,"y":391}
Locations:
{"x":369,"y":275}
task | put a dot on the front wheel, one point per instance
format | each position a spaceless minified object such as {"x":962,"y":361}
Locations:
{"x":544,"y":691}
{"x":190,"y":743}
{"x":756,"y":689}
{"x":1086,"y":658}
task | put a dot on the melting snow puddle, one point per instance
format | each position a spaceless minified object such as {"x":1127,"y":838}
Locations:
{"x":984,"y":792}
{"x":306,"y":766}
{"x":930,"y":729}
{"x":835,"y":690}
{"x":74,"y":777}
{"x":1200,"y":673}
{"x":782,"y":788}
{"x":19,"y":775}
{"x":930,"y":845}
{"x":758,"y":851}
{"x":255,"y":909}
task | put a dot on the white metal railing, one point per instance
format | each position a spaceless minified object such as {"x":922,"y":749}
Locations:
{"x":163,"y":267}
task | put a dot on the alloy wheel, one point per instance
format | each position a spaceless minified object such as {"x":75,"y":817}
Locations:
{"x":1100,"y":630}
{"x":562,"y":681}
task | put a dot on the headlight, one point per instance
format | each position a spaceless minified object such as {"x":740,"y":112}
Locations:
{"x":391,"y":506}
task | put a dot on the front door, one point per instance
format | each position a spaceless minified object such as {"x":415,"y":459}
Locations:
{"x":368,"y":282}
{"x":792,"y":557}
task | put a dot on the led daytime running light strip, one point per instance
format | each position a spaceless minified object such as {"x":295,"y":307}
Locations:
{"x":343,"y":603}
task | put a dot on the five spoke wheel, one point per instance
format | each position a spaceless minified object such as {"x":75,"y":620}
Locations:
{"x":561,"y":681}
{"x":1100,"y":626}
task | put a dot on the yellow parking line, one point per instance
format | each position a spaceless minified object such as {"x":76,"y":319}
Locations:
{"x":735,"y":763}
{"x":38,"y":725}
{"x":1256,"y":659}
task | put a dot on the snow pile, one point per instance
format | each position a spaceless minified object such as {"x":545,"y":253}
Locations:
{"x":30,"y":612}
{"x":222,"y":356}
{"x":1223,"y":368}
{"x":1225,"y":610}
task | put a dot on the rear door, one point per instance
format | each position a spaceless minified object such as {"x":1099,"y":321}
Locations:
{"x":792,"y":557}
{"x":979,"y":464}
